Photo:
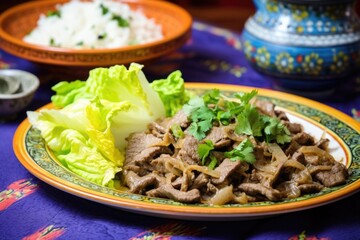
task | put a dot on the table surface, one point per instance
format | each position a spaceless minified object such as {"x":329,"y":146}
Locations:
{"x":32,"y":209}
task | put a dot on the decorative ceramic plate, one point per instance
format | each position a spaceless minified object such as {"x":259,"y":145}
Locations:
{"x":342,"y":130}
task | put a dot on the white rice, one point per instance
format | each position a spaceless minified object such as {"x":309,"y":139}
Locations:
{"x":88,"y":25}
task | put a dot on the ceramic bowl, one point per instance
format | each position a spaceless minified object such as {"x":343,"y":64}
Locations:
{"x":304,"y":45}
{"x":18,"y":21}
{"x":13,"y":103}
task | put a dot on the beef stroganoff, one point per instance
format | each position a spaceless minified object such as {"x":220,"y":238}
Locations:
{"x":218,"y":150}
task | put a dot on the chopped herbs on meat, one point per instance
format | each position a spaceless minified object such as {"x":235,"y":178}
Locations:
{"x":219,"y":150}
{"x":242,"y":152}
{"x":213,"y":108}
{"x":204,"y":150}
{"x":177,"y":131}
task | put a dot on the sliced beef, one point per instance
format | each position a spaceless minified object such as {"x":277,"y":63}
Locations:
{"x":140,"y":170}
{"x":281,"y":115}
{"x":218,"y":137}
{"x":336,"y":176}
{"x":167,"y":164}
{"x":294,"y":128}
{"x":323,"y":144}
{"x":168,"y":191}
{"x":156,"y":129}
{"x":266,"y":107}
{"x":298,"y":156}
{"x":254,"y":189}
{"x":226,"y":168}
{"x":292,"y":148}
{"x":189,"y":151}
{"x":200,"y":181}
{"x":140,"y":148}
{"x":180,"y":119}
{"x":310,"y":187}
{"x":139,"y":184}
{"x":304,"y":139}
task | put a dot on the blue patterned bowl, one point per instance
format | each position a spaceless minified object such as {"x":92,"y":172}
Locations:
{"x":304,"y":44}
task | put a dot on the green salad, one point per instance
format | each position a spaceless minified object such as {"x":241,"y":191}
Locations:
{"x":88,"y":128}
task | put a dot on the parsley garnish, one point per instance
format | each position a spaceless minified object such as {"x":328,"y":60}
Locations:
{"x":242,"y":152}
{"x":121,"y":21}
{"x":204,"y":151}
{"x":101,"y":36}
{"x":214,"y":108}
{"x":275,"y":131}
{"x":53,"y":13}
{"x":177,"y":131}
{"x":52,"y":42}
{"x":104,"y":9}
{"x":201,"y":117}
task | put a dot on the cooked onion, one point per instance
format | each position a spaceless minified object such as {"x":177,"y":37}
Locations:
{"x":290,"y":188}
{"x":223,"y":196}
{"x":314,"y":150}
{"x":295,"y":164}
{"x":204,"y":170}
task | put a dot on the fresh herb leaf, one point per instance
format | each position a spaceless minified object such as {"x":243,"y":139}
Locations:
{"x":202,"y":113}
{"x":246,"y":97}
{"x":213,"y":107}
{"x":204,"y":150}
{"x":52,"y":42}
{"x":104,"y":10}
{"x":242,"y":152}
{"x":177,"y":131}
{"x":53,"y":13}
{"x":121,"y":21}
{"x":101,"y":36}
{"x":201,"y":117}
{"x":212,"y":96}
{"x":199,"y":129}
{"x":224,"y":117}
{"x":193,"y":104}
{"x":249,"y":122}
{"x":275,"y":131}
{"x":213,"y":162}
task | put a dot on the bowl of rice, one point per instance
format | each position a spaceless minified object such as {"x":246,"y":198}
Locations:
{"x":87,"y":34}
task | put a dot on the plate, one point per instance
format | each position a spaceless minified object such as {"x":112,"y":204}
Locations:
{"x":317,"y":118}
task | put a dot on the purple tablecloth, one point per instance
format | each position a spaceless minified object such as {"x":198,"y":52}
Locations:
{"x":32,"y":209}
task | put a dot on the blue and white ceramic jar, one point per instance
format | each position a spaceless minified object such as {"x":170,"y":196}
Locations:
{"x":308,"y":44}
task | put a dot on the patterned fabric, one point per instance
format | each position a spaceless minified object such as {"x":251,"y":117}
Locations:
{"x":31,"y":209}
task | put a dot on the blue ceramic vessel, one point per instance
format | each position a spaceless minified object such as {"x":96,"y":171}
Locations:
{"x":304,"y":44}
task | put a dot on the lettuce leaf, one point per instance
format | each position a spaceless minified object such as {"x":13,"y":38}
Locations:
{"x":87,"y":134}
{"x":172,"y":92}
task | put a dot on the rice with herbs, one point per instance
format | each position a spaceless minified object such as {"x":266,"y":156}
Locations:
{"x":98,"y":24}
